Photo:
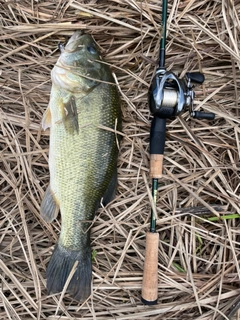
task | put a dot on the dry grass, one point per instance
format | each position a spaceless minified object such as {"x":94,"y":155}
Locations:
{"x":198,"y":253}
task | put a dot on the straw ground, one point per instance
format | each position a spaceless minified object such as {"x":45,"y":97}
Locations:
{"x":198,"y":200}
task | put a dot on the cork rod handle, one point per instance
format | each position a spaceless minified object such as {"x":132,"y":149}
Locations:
{"x":150,"y":273}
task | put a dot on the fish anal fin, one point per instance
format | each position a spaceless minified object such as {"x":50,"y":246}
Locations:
{"x":111,"y":189}
{"x":70,"y":115}
{"x":47,"y":119}
{"x":49,"y":207}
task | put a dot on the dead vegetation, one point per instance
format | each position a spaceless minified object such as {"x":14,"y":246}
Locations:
{"x":198,"y":200}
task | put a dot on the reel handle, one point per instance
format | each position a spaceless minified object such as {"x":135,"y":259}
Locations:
{"x":203,"y":115}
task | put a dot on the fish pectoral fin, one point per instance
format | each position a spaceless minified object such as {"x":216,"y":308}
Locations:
{"x":49,"y":207}
{"x":47,"y":119}
{"x":70,"y":115}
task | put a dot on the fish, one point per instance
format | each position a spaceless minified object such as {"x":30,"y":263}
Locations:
{"x":84,"y":117}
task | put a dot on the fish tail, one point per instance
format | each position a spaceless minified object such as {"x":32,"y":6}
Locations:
{"x":60,"y":266}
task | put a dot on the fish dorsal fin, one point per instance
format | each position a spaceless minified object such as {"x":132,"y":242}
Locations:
{"x":70,"y":115}
{"x":47,"y":119}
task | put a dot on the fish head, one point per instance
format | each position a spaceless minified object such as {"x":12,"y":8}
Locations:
{"x":81,"y":51}
{"x":79,"y":67}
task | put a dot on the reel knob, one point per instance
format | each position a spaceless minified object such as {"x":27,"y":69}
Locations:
{"x":202,"y":115}
{"x":196,"y":77}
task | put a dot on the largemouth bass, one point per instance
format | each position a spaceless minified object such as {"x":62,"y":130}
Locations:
{"x":84,"y":103}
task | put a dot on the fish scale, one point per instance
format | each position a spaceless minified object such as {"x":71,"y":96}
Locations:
{"x":82,"y":158}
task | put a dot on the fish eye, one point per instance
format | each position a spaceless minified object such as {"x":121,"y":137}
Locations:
{"x":92,"y":50}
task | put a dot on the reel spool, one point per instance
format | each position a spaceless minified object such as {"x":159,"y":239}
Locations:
{"x":169,"y":95}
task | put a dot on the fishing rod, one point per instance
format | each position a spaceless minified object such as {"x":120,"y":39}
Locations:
{"x":168,"y":97}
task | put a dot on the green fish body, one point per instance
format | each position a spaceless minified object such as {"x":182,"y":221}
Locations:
{"x":83,"y":113}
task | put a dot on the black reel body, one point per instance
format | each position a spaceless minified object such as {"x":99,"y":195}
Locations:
{"x":169,"y":95}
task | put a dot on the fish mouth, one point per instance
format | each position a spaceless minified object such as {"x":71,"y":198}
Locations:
{"x":77,"y":34}
{"x":72,"y":43}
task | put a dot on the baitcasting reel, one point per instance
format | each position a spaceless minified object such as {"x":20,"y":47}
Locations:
{"x":169,"y":95}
